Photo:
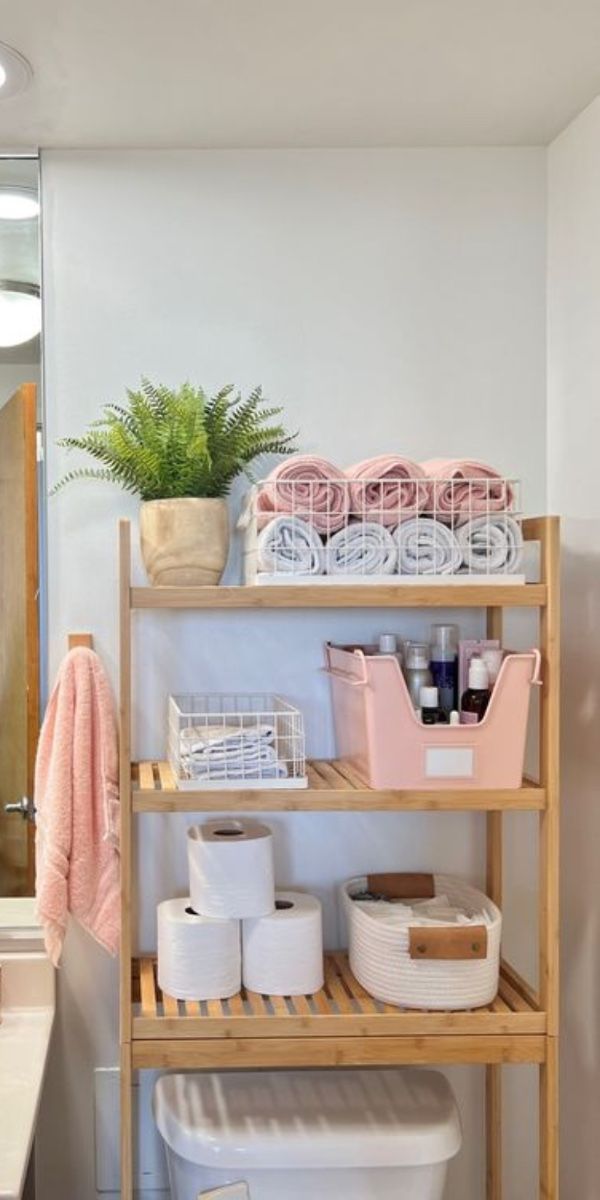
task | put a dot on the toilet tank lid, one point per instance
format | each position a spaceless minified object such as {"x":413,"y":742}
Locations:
{"x":309,"y":1119}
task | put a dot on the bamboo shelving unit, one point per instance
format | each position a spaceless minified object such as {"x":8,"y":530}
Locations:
{"x":342,"y":1025}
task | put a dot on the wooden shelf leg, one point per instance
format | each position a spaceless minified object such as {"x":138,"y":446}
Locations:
{"x":126,"y":1124}
{"x":125,"y":777}
{"x":493,"y":1132}
{"x":494,"y":886}
{"x":126,"y":859}
{"x":549,"y":864}
{"x":549,"y":1122}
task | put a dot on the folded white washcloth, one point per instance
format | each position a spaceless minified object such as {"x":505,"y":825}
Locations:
{"x":290,"y":546}
{"x":215,"y":739}
{"x":491,"y":545}
{"x":252,"y":752}
{"x":236,"y":769}
{"x":426,"y":547}
{"x":361,"y":548}
{"x":436,"y":911}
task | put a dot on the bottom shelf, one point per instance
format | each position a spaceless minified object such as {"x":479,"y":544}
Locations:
{"x":341,"y":1024}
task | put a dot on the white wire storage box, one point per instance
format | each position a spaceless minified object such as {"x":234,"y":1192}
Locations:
{"x":414,"y":961}
{"x":410,"y":531}
{"x":224,"y":740}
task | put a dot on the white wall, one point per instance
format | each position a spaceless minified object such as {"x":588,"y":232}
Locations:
{"x":573,"y":439}
{"x":392,"y":300}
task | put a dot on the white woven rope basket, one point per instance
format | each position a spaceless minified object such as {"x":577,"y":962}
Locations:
{"x":380,"y":952}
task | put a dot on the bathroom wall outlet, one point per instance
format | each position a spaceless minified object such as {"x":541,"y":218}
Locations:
{"x":150,"y":1171}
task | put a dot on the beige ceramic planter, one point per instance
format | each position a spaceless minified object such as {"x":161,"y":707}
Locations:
{"x":184,"y":542}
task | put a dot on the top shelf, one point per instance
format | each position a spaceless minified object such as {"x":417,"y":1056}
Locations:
{"x":475,"y":595}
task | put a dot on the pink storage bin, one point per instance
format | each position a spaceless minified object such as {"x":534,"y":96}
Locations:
{"x":379,"y":735}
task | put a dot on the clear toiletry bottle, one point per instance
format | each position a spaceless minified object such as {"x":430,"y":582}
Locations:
{"x":389,"y":645}
{"x":430,"y":706}
{"x":493,"y":662}
{"x":477,"y":696}
{"x":444,"y":664}
{"x":416,"y":671}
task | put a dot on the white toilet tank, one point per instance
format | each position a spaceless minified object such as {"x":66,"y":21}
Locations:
{"x":309,"y":1135}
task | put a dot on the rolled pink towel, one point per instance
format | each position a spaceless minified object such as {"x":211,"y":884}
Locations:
{"x":465,"y":488}
{"x":309,"y":487}
{"x":387,"y":489}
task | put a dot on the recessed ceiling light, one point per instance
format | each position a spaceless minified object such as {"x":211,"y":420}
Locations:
{"x":15,"y":72}
{"x":18,"y":203}
{"x":20,"y":312}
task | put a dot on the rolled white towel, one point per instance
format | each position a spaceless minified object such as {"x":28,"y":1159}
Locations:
{"x":290,"y":546}
{"x":491,"y":545}
{"x":426,"y":547}
{"x":361,"y":548}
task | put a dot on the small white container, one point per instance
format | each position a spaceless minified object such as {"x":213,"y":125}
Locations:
{"x":298,"y":1135}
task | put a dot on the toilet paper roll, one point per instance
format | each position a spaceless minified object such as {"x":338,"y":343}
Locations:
{"x":199,"y":958}
{"x":231,"y":868}
{"x":282,"y":954}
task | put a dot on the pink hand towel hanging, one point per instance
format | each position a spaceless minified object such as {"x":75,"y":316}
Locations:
{"x":77,"y":802}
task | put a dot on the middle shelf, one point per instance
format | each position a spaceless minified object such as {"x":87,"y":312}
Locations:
{"x":341,"y":1009}
{"x":332,"y":786}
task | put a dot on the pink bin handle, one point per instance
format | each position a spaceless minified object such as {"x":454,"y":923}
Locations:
{"x":537,"y":668}
{"x":337,"y":674}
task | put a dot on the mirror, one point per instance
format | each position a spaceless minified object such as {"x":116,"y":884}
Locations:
{"x":20,"y":492}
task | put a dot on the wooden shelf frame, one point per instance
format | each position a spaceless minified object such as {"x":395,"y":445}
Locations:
{"x":332,"y":787}
{"x":357,"y":595}
{"x":343,"y":1026}
{"x":342,"y":1009}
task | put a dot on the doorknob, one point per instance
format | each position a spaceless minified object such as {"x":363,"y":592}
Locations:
{"x":24,"y":806}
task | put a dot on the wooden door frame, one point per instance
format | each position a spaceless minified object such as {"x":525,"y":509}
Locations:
{"x":28,"y":393}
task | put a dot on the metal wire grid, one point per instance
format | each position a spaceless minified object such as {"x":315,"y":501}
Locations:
{"x":384,"y":529}
{"x":220,"y":740}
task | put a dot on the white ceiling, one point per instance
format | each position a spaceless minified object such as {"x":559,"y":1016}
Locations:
{"x":262,"y":73}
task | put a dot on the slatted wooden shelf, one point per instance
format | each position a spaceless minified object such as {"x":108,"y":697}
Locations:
{"x":342,"y":1009}
{"x":333,"y":786}
{"x":358,"y":595}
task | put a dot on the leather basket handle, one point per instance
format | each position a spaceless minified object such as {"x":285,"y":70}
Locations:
{"x":402,"y":885}
{"x":448,"y":943}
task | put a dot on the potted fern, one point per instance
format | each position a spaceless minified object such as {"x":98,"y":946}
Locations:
{"x":180,"y":452}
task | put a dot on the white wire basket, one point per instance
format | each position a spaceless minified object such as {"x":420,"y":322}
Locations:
{"x":220,"y":741}
{"x":407,"y":531}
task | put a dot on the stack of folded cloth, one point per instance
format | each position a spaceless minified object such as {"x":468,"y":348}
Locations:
{"x":386,"y":516}
{"x":230,"y":752}
{"x":433,"y":911}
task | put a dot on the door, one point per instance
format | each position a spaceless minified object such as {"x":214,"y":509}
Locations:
{"x":19,"y":635}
